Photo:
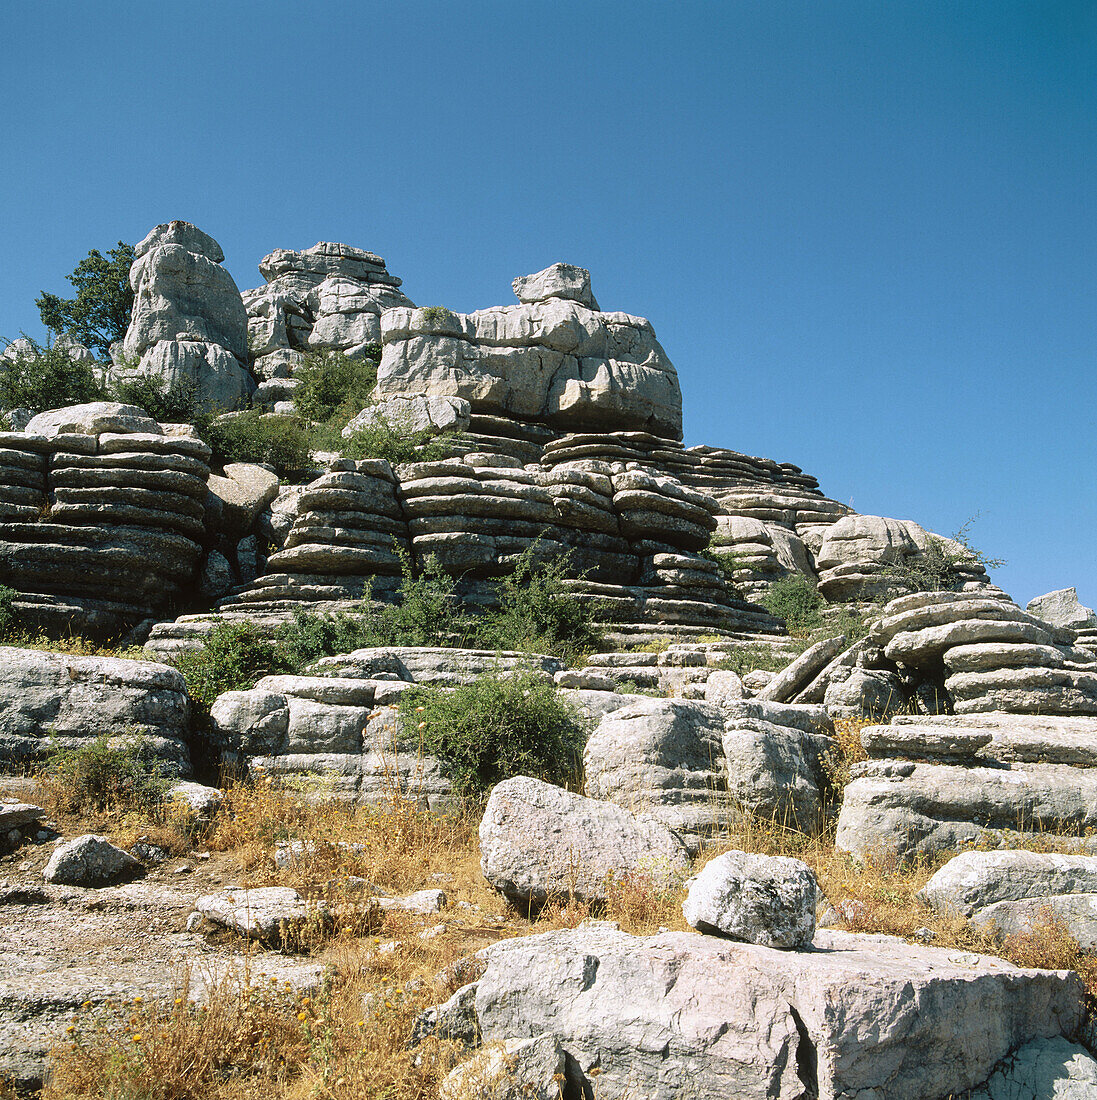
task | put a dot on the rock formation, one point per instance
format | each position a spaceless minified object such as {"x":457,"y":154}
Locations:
{"x":188,"y":325}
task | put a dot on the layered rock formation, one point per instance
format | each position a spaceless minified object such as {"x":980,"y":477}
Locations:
{"x":188,"y":325}
{"x":102,"y":516}
{"x":553,"y":359}
{"x":330,"y":296}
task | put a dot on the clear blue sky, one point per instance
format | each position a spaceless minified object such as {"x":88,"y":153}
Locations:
{"x":864,"y":231}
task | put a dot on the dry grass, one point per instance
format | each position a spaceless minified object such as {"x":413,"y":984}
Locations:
{"x":349,"y":1040}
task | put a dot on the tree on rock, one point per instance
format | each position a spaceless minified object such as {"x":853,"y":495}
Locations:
{"x":100,"y":312}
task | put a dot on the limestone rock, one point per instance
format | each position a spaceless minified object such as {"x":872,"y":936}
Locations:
{"x":558,"y":281}
{"x":858,"y":1016}
{"x":864,"y":693}
{"x":1077,"y":913}
{"x":416,"y":412}
{"x":519,"y":1069}
{"x":92,"y":419}
{"x":538,"y":841}
{"x":74,"y":698}
{"x":974,"y":880}
{"x":88,"y":861}
{"x":768,"y":900}
{"x":1062,"y":608}
{"x":270,"y":913}
{"x":1053,"y":1068}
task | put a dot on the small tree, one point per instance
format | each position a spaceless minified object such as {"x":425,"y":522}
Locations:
{"x":100,"y":312}
{"x":44,"y":378}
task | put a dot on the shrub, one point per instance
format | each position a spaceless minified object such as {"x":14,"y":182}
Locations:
{"x":233,"y":657}
{"x":938,"y":567}
{"x":106,"y":775}
{"x":436,"y":315}
{"x":9,"y":619}
{"x":278,"y":441}
{"x":147,"y":390}
{"x":47,"y":379}
{"x":334,"y":387}
{"x":538,"y":613}
{"x":496,"y":727}
{"x":796,"y":600}
{"x":395,"y":441}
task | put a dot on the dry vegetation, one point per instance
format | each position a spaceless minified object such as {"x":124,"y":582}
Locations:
{"x":348,"y":1040}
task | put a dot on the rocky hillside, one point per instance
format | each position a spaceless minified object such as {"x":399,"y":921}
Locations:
{"x":404,"y":668}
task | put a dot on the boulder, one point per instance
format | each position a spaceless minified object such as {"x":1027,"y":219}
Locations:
{"x":518,"y":1069}
{"x":858,"y":1016}
{"x":1054,"y":1068}
{"x":974,"y":880}
{"x":1062,"y":608}
{"x":864,"y":693}
{"x":93,"y":418}
{"x":89,"y":861}
{"x":67,"y":700}
{"x":244,"y":491}
{"x":558,"y":281}
{"x":415,"y":412}
{"x":768,"y":900}
{"x":787,"y":683}
{"x":1076,"y":913}
{"x":538,"y":841}
{"x":270,"y":913}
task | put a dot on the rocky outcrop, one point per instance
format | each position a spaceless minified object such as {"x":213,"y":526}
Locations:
{"x":328,"y":297}
{"x":188,"y":326}
{"x":1063,"y":609}
{"x":696,"y":766}
{"x":101,"y":516}
{"x":943,"y":783}
{"x":554,"y":360}
{"x":539,"y":842}
{"x":860,"y":1016}
{"x":64,"y":700}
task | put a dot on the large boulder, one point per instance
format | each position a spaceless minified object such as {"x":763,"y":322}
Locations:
{"x":88,"y":861}
{"x":1063,"y":608}
{"x":769,"y":900}
{"x":188,"y":326}
{"x":538,"y":841}
{"x":860,"y":1016}
{"x":65,"y":700}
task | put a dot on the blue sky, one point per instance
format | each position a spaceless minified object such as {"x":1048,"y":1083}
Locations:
{"x":864,"y":231}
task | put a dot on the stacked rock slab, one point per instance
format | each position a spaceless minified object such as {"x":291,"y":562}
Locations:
{"x":102,"y":516}
{"x":330,"y":296}
{"x":554,"y":359}
{"x":942,"y":783}
{"x":339,"y":729}
{"x":188,"y":326}
{"x":1063,"y":609}
{"x":996,"y":657}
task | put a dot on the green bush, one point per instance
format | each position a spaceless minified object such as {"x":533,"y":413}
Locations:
{"x":494,"y":728}
{"x":46,"y":378}
{"x":279,"y":441}
{"x":147,"y":390}
{"x":538,"y":613}
{"x":796,"y":600}
{"x":395,"y":441}
{"x":436,"y":315}
{"x":233,"y":656}
{"x":937,"y":567}
{"x":106,"y":775}
{"x":334,"y":387}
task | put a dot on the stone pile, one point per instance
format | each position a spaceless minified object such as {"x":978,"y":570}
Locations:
{"x":188,"y":326}
{"x":330,"y":296}
{"x":554,"y":359}
{"x":103,"y":516}
{"x":946,"y":782}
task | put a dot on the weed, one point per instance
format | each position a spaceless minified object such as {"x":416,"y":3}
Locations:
{"x":233,"y":656}
{"x":394,"y":440}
